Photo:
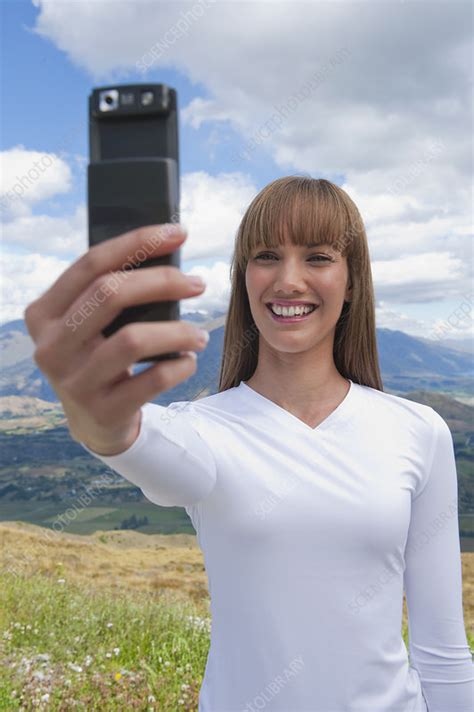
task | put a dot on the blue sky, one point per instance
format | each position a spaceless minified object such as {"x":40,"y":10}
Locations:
{"x":387,"y":117}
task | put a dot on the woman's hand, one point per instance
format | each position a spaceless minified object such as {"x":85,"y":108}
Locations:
{"x":92,"y":374}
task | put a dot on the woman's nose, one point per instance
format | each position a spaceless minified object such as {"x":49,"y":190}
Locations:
{"x":290,"y":274}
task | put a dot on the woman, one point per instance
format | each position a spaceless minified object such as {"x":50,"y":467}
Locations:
{"x":316,"y":497}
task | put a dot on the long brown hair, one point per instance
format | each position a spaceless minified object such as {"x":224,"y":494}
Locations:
{"x":304,"y":208}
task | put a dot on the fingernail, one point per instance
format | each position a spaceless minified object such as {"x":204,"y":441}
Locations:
{"x":175,"y":229}
{"x":203,"y":335}
{"x":169,"y":231}
{"x":196,"y":281}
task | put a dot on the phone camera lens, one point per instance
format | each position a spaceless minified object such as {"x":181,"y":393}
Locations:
{"x":109,"y":100}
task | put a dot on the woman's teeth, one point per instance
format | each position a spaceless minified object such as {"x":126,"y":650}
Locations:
{"x":291,"y":311}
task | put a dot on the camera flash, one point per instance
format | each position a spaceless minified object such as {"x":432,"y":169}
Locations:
{"x":147,"y":98}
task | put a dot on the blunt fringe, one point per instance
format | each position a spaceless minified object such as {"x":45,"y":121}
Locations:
{"x":306,"y":210}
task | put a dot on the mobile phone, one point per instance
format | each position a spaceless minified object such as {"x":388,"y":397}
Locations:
{"x":133,"y":179}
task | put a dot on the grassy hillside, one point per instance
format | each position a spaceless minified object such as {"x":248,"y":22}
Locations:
{"x":115,"y":621}
{"x":64,"y":649}
{"x":114,"y":561}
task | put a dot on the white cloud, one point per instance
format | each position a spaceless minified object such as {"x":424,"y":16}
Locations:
{"x":28,"y":177}
{"x":359,"y":89}
{"x":24,"y":278}
{"x":66,"y":235}
{"x":418,"y":278}
{"x":388,"y":318}
{"x":217,"y":293}
{"x":211,"y":209}
{"x":200,"y":110}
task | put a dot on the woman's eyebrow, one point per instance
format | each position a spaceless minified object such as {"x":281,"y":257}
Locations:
{"x":308,"y":246}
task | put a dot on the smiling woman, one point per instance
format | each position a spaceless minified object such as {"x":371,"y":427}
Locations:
{"x":312,"y":491}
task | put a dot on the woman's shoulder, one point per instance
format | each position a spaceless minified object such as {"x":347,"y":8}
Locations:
{"x":403,"y":408}
{"x":206,"y":406}
{"x":225,"y":401}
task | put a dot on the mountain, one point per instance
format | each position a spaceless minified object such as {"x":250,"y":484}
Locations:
{"x":407,"y":363}
{"x":21,"y":376}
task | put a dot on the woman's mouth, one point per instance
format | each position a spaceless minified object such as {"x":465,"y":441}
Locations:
{"x":291,"y":319}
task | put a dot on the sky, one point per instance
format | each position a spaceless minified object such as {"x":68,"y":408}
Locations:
{"x":375,"y":96}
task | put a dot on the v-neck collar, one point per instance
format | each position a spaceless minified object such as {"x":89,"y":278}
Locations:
{"x":285,"y":416}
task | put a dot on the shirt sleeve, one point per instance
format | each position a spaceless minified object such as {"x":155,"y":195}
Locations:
{"x":438,"y":645}
{"x":169,"y":461}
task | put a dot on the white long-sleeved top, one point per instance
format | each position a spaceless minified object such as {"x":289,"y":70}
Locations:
{"x":309,"y":536}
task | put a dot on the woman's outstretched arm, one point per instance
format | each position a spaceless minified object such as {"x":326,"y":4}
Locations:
{"x":169,"y":460}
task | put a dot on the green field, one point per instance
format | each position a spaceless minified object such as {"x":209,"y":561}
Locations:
{"x":62,"y":648}
{"x":69,"y":517}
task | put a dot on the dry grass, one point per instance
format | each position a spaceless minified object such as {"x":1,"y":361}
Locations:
{"x":116,"y":560}
{"x":163,"y":564}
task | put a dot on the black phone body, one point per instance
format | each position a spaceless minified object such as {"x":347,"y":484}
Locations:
{"x":133,"y":180}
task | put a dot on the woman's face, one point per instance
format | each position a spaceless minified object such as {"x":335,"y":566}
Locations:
{"x":318,"y":275}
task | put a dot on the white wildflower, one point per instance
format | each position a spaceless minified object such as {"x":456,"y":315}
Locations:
{"x":76,"y":668}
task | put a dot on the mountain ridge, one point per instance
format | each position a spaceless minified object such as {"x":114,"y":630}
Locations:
{"x":407,"y":363}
